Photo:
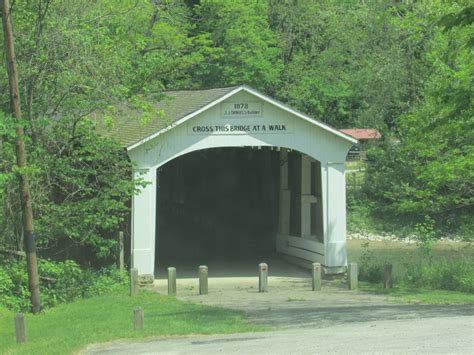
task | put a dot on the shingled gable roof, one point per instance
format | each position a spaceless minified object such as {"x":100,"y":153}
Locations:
{"x":176,"y":107}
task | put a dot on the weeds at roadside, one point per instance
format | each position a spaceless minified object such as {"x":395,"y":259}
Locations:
{"x":370,"y":267}
{"x":425,"y":271}
{"x":456,"y":275}
{"x":423,"y":295}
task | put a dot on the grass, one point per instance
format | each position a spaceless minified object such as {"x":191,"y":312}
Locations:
{"x":402,"y":255}
{"x":420,"y":295}
{"x":70,"y":327}
{"x":295,"y":299}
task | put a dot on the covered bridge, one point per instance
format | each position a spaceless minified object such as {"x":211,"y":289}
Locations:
{"x":232,"y":171}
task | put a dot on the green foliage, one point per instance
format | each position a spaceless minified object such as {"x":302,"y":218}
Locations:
{"x":60,"y":282}
{"x":345,"y":63}
{"x":14,"y":293}
{"x":358,"y":213}
{"x":455,"y":275}
{"x":465,"y":17}
{"x":77,"y":56}
{"x":74,"y":58}
{"x":236,"y":44}
{"x":430,"y":172}
{"x":419,"y":270}
{"x":370,"y":267}
{"x":81,"y":186}
{"x":426,"y":237}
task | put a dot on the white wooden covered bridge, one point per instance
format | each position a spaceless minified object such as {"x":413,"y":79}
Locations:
{"x":234,"y":156}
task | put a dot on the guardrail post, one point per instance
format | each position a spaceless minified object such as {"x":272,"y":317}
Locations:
{"x":316,"y":276}
{"x":138,"y":318}
{"x":203,"y":279}
{"x":172,"y":281}
{"x":263,"y":277}
{"x":352,"y":276}
{"x":20,"y":328}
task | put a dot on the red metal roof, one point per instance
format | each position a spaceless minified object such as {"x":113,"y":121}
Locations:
{"x":362,"y":133}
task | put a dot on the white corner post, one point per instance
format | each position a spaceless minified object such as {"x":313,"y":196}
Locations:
{"x":306,"y":197}
{"x":335,"y":238}
{"x":284,"y":205}
{"x":143,"y":224}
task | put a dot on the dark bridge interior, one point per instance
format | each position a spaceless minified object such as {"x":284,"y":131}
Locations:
{"x":217,"y":205}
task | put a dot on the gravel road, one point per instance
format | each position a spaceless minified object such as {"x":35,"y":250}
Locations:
{"x":333,"y":320}
{"x":448,"y":335}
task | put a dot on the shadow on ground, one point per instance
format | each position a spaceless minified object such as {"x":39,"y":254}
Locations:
{"x":321,"y":317}
{"x":242,"y":265}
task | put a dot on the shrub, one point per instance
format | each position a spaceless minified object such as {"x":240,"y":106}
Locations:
{"x":453,"y":275}
{"x":427,"y":272}
{"x":370,"y":267}
{"x":60,"y":282}
{"x":14,"y":292}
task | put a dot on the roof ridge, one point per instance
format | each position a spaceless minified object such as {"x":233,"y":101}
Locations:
{"x":202,"y":90}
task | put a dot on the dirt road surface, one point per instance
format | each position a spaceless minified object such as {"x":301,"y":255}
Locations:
{"x":449,"y":335}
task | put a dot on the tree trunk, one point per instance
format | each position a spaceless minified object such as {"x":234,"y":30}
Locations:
{"x":28,"y":235}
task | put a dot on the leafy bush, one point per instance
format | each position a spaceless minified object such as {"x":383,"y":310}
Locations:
{"x":453,"y":275}
{"x":60,"y":282}
{"x":370,"y":267}
{"x":427,"y":271}
{"x":14,"y":292}
{"x":80,"y":187}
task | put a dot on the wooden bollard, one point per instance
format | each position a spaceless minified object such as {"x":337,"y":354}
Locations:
{"x":20,"y":328}
{"x":203,"y":280}
{"x":262,"y":277}
{"x":138,"y":318}
{"x":133,"y":282}
{"x":387,"y":276}
{"x":316,"y":276}
{"x":172,"y":281}
{"x":353,"y":276}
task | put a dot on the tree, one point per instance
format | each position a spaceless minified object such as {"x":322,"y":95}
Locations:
{"x":345,"y":62}
{"x":27,"y":209}
{"x":78,"y":58}
{"x":235,"y":45}
{"x":429,"y":174}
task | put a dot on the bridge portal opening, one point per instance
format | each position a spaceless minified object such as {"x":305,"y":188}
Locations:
{"x":222,"y":206}
{"x":217,"y":204}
